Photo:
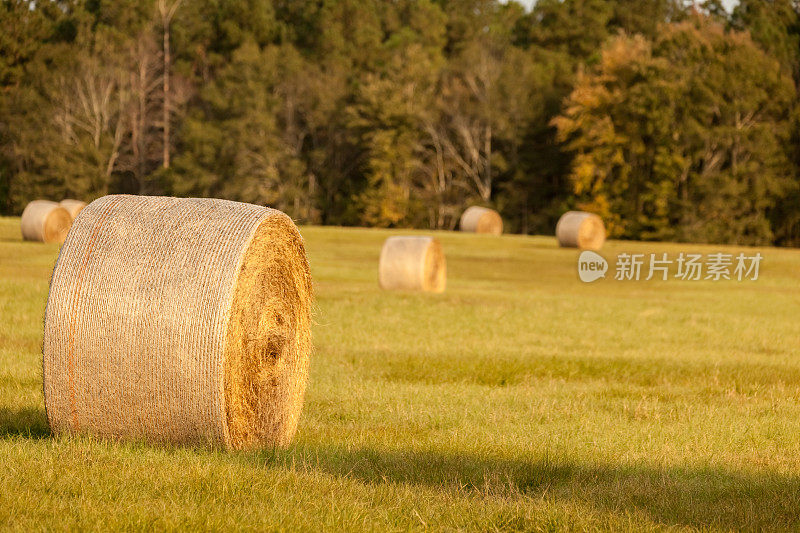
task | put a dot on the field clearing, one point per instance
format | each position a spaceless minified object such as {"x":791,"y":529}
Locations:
{"x":519,"y":399}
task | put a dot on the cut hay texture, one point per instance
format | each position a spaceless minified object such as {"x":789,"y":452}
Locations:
{"x":481,"y":220}
{"x":179,"y":321}
{"x":73,"y":206}
{"x":578,"y":229}
{"x":45,"y":221}
{"x":412,"y":263}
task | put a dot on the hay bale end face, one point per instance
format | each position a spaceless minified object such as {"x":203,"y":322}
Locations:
{"x":73,"y":206}
{"x":412,"y":263}
{"x":180,"y":321}
{"x":45,"y":221}
{"x":481,"y":220}
{"x":578,"y":229}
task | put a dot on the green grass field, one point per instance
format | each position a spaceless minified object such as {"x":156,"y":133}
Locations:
{"x":520,"y":399}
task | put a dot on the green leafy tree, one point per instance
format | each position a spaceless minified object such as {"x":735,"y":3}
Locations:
{"x":232,"y":146}
{"x":575,"y":27}
{"x":775,"y":26}
{"x":683,"y":139}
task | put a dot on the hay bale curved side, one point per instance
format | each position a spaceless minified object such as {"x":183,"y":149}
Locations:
{"x":412,"y":263}
{"x":481,"y":220}
{"x":73,"y":206}
{"x":45,"y":221}
{"x":578,"y":229}
{"x":179,"y":320}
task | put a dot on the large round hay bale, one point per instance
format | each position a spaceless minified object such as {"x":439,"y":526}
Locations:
{"x":578,"y":229}
{"x":179,"y":320}
{"x":45,"y":221}
{"x":412,"y":263}
{"x":481,"y":220}
{"x":73,"y":206}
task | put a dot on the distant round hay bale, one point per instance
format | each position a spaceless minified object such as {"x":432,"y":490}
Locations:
{"x":578,"y":229}
{"x":45,"y":221}
{"x":73,"y":206}
{"x":181,"y":321}
{"x":412,"y":263}
{"x":481,"y":220}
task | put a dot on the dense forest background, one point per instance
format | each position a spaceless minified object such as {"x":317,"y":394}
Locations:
{"x":672,"y":120}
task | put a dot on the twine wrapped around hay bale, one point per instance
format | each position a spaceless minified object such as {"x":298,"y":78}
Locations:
{"x":179,"y":320}
{"x":578,"y":229}
{"x":45,"y":221}
{"x":412,"y":263}
{"x":481,"y":220}
{"x":73,"y":206}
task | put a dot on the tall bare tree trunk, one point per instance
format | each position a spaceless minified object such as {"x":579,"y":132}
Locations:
{"x":167,"y":12}
{"x":166,"y":96}
{"x":487,"y":149}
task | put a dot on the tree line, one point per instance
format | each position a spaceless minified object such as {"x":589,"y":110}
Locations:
{"x":672,"y":120}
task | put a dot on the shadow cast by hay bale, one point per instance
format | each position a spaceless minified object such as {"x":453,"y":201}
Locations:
{"x":27,"y":422}
{"x":672,"y":496}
